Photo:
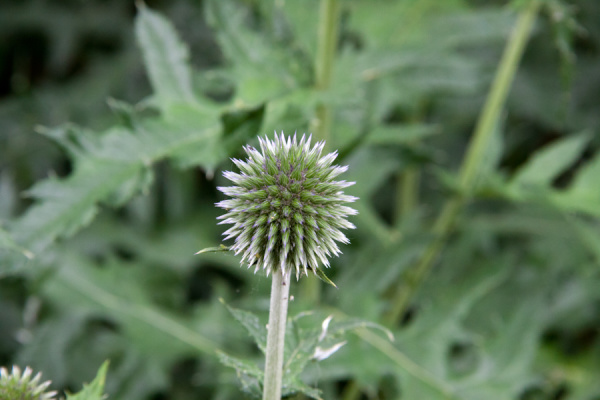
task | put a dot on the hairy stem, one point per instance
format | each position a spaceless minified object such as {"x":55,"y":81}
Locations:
{"x":488,"y":119}
{"x":280,"y":290}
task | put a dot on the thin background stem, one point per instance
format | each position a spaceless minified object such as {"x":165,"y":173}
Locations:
{"x":321,"y":125}
{"x":468,"y":173}
{"x":280,"y":289}
{"x":408,"y":196}
{"x":326,"y":52}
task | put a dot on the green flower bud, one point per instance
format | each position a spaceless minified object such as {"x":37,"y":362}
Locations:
{"x":286,"y":208}
{"x":20,"y":386}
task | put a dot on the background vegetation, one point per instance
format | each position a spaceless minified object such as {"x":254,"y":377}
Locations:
{"x":482,"y":257}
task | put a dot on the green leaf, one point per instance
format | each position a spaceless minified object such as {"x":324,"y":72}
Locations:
{"x":114,"y":290}
{"x":110,"y":170}
{"x":125,"y":112}
{"x":51,"y":341}
{"x":93,"y":390}
{"x":66,"y":205}
{"x":219,"y":249}
{"x":239,"y":127}
{"x":501,"y":363}
{"x":547,"y":163}
{"x":294,"y":386}
{"x":305,"y":344}
{"x":321,"y":275}
{"x":409,"y":368}
{"x":14,"y":256}
{"x":264,"y":68}
{"x":252,"y":324}
{"x":584,"y":193}
{"x":590,"y":235}
{"x":386,"y":264}
{"x":250,"y":376}
{"x":166,"y":58}
{"x":369,"y":168}
{"x":302,"y":19}
{"x":291,"y":112}
{"x":69,"y":346}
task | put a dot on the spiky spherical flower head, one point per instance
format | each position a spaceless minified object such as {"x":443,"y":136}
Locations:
{"x":286,"y":208}
{"x":18,"y":385}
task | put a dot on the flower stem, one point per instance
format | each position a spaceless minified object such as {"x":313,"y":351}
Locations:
{"x":488,"y":119}
{"x":280,"y":290}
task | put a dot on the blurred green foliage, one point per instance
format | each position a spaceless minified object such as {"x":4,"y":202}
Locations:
{"x":115,"y":125}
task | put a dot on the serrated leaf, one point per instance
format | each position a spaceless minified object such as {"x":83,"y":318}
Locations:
{"x":252,"y":324}
{"x":14,"y":256}
{"x":501,"y":362}
{"x":95,"y":389}
{"x":238,"y":128}
{"x":249,"y":374}
{"x":67,"y":205}
{"x":77,"y":141}
{"x":166,"y":58}
{"x":111,"y":169}
{"x":264,"y":68}
{"x":296,"y":386}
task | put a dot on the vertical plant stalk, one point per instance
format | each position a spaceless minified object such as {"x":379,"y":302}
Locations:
{"x":280,"y":290}
{"x":321,"y":125}
{"x":326,"y":50}
{"x":468,"y":173}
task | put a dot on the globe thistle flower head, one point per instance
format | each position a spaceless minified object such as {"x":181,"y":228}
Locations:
{"x":18,"y":385}
{"x":286,"y":208}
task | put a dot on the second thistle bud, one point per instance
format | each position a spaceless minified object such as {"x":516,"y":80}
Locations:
{"x":21,"y":385}
{"x":286,"y":208}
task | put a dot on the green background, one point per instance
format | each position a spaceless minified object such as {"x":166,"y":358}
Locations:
{"x":116,"y":123}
